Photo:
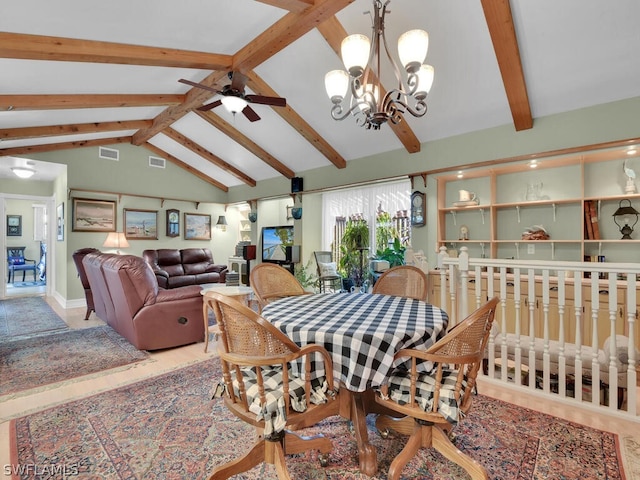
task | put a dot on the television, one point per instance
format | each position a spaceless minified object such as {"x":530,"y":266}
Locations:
{"x":277,"y":243}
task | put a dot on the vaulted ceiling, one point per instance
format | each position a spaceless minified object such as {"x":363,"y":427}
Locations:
{"x":76,"y":74}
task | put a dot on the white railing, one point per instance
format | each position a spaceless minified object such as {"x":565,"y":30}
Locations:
{"x":566,"y":329}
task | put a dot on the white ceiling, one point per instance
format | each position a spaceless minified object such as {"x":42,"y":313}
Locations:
{"x":575,"y":53}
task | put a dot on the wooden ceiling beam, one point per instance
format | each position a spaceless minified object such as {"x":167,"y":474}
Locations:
{"x":290,"y":5}
{"x":75,"y":129}
{"x":52,"y":147}
{"x":194,"y":171}
{"x":260,"y":87}
{"x":505,"y":44}
{"x":284,"y":32}
{"x":333,"y":32}
{"x":207,"y":155}
{"x":41,"y":47}
{"x":194,"y":98}
{"x":59,"y":102}
{"x":238,"y":137}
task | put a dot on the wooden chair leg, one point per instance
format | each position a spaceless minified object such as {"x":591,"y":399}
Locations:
{"x":440,"y":441}
{"x":253,"y":457}
{"x":86,"y":315}
{"x":408,"y":452}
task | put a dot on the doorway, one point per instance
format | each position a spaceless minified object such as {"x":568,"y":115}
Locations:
{"x":33,"y":216}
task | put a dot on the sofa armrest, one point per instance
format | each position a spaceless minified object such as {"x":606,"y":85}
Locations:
{"x":178,"y":293}
{"x":216,"y":268}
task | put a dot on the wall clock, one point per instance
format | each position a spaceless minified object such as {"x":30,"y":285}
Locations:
{"x":173,"y":223}
{"x":418,"y":209}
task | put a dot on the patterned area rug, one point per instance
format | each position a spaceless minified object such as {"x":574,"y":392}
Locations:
{"x":38,"y":283}
{"x":41,"y":361}
{"x":20,"y":317}
{"x":167,"y":427}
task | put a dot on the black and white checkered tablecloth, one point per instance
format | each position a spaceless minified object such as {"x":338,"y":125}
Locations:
{"x":362,"y":332}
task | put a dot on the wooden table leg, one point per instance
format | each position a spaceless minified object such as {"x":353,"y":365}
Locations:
{"x":205,"y":314}
{"x":366,"y":452}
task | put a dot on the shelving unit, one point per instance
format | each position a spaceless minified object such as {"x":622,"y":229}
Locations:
{"x":244,"y":226}
{"x":514,"y":197}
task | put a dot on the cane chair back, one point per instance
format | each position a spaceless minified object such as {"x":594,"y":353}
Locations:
{"x":435,"y":401}
{"x":271,"y":282}
{"x":403,"y":281}
{"x":264,"y":386}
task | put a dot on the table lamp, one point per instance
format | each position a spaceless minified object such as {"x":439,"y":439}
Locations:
{"x":116,"y":240}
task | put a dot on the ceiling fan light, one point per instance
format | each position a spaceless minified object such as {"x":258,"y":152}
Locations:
{"x":425,"y":81}
{"x":336,"y":82}
{"x":412,"y":49}
{"x":355,"y":53}
{"x":234,"y":104}
{"x":23,"y":172}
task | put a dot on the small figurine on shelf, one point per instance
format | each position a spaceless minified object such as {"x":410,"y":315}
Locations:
{"x":464,"y":233}
{"x":630,"y":187}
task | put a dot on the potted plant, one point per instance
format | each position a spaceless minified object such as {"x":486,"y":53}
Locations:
{"x":393,"y":254}
{"x":308,"y":280}
{"x":355,"y":242}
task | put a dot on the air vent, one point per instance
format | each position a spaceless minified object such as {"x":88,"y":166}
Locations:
{"x":109,"y":153}
{"x":157,"y":162}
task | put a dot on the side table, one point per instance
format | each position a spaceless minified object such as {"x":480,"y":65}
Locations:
{"x":243,"y":293}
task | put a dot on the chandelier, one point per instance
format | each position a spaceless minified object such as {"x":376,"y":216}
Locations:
{"x":362,"y":59}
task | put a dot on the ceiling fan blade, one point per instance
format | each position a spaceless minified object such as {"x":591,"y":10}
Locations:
{"x":209,"y":106}
{"x":198,"y":85}
{"x":262,"y":100}
{"x":238,"y":81}
{"x":250,"y":113}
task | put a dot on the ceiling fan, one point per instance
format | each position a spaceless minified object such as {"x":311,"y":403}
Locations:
{"x":234,"y":99}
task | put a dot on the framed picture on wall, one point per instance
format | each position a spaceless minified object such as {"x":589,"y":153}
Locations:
{"x":140,"y":224}
{"x":173,"y":223}
{"x":14,"y":225}
{"x":197,"y":226}
{"x":93,"y":215}
{"x":60,"y":222}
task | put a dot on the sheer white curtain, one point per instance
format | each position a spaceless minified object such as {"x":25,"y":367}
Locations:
{"x":392,"y":196}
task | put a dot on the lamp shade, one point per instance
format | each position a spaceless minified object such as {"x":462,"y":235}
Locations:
{"x":336,"y":82}
{"x":412,"y":49}
{"x":355,"y":53}
{"x":425,"y":81}
{"x":234,"y":104}
{"x":116,"y":240}
{"x":23,"y":172}
{"x":222,"y":220}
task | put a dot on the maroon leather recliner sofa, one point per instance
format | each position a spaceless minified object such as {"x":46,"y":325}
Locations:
{"x":189,"y":266}
{"x":127,"y":297}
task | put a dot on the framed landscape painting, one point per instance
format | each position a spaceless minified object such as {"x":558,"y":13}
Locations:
{"x":140,"y":224}
{"x":93,"y":215}
{"x":197,"y":226}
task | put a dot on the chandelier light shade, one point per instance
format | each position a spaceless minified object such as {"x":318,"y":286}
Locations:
{"x":358,"y":91}
{"x":23,"y":172}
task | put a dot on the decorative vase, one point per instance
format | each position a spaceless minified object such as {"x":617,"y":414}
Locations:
{"x":253,"y":216}
{"x":296,"y":213}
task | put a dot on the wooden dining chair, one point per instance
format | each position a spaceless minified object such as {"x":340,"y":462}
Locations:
{"x":434,"y":402}
{"x":403,"y":281}
{"x":271,"y":282}
{"x":263,"y":387}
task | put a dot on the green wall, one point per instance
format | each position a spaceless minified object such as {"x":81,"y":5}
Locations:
{"x":602,"y":123}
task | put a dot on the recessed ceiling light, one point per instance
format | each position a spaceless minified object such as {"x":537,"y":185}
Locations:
{"x":632,"y":151}
{"x":460,"y":174}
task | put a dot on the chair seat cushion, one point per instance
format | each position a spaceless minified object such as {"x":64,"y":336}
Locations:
{"x":273,"y":411}
{"x":448,"y":407}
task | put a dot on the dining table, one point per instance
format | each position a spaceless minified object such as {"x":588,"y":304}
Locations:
{"x":362,"y":332}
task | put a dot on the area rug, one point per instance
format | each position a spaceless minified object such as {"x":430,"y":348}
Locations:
{"x":39,"y":362}
{"x":20,"y":317}
{"x":167,"y":427}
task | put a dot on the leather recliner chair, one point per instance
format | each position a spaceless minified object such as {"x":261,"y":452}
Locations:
{"x":127,"y":294}
{"x":78,"y":256}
